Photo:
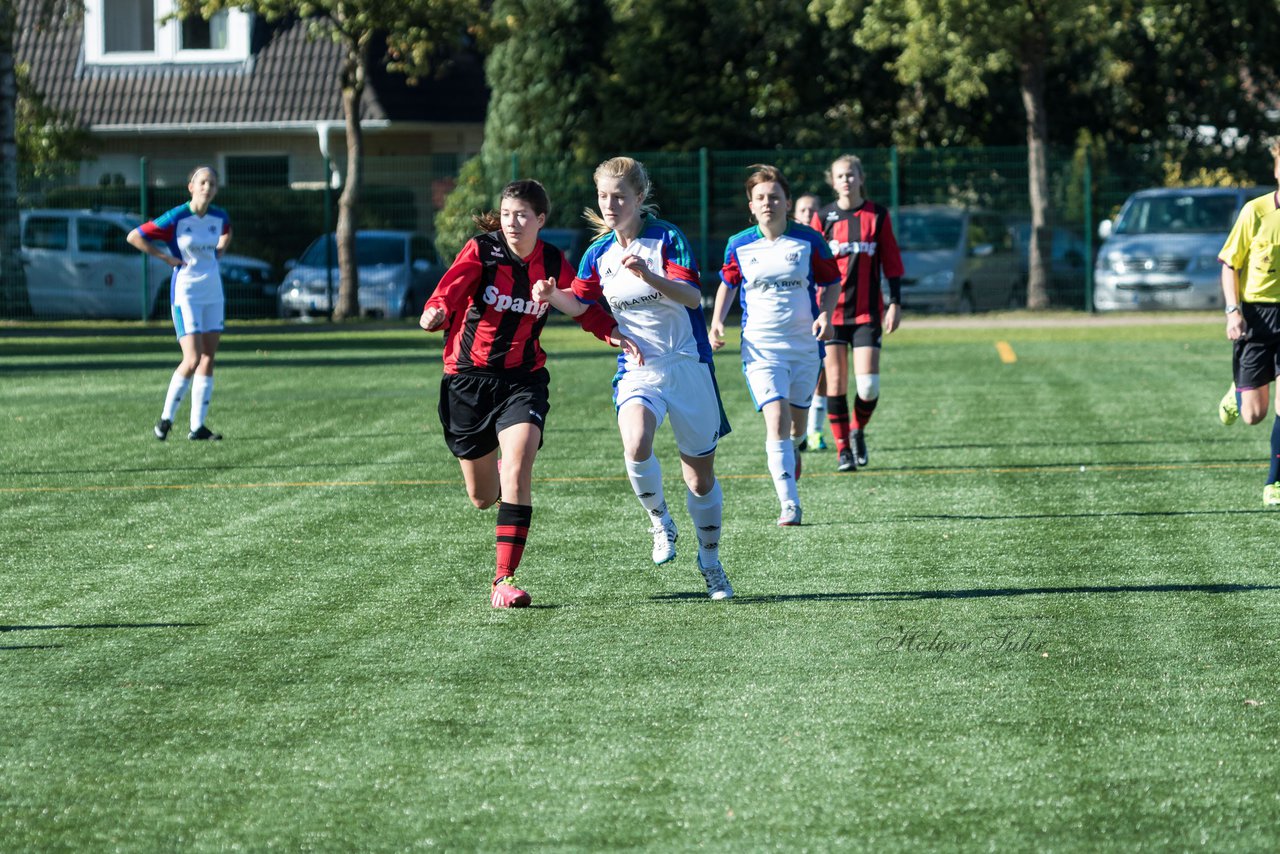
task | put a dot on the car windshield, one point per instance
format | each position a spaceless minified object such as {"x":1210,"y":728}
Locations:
{"x":1179,"y":213}
{"x":370,"y":252}
{"x":920,"y":232}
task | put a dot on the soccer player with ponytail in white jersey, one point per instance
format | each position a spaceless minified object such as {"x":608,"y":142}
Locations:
{"x":777,"y":267}
{"x":642,"y":269}
{"x":190,"y":238}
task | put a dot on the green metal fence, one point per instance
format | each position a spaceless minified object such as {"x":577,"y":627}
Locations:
{"x":275,"y":219}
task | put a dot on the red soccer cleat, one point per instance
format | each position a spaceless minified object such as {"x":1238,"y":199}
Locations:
{"x":506,"y":595}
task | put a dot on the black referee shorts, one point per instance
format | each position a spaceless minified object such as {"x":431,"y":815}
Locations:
{"x":476,"y":407}
{"x":1256,"y":357}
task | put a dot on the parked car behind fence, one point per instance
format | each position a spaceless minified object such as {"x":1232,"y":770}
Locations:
{"x":397,"y":271}
{"x":957,"y":259}
{"x":1162,"y":249}
{"x":78,"y":265}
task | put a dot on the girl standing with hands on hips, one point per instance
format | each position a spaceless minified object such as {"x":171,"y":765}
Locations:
{"x":643,"y":269}
{"x":190,"y":238}
{"x":778,"y":266}
{"x":493,"y":395}
{"x":860,"y":235}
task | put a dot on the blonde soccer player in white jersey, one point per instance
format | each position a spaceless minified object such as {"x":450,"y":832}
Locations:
{"x":777,"y":268}
{"x":190,"y":238}
{"x":1251,"y":288}
{"x":641,"y":268}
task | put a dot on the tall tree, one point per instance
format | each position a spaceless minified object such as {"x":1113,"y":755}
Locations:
{"x":964,"y":43}
{"x":544,"y":68}
{"x":412,"y":35}
{"x":29,"y":132}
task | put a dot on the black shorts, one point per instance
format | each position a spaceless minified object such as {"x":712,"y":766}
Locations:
{"x":857,"y":335}
{"x":475,"y":408}
{"x":1256,"y":360}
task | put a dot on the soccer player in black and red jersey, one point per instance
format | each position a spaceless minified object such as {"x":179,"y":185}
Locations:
{"x":861,"y":237}
{"x":493,"y":396}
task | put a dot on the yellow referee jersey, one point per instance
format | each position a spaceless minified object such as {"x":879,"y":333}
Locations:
{"x":1253,"y":249}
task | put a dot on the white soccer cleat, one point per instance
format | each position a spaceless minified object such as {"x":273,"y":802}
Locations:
{"x":718,"y":586}
{"x":664,"y":541}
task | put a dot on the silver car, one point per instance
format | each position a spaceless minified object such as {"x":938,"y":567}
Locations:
{"x":957,"y":259}
{"x":397,"y":270}
{"x":1162,"y":250}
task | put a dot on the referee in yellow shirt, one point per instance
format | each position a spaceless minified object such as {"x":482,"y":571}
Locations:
{"x":1251,"y":287}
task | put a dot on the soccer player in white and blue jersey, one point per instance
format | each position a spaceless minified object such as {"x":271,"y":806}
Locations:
{"x":190,"y":238}
{"x":777,"y":267}
{"x":641,"y":268}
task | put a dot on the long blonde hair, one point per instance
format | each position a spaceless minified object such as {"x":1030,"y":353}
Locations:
{"x":633,"y":175}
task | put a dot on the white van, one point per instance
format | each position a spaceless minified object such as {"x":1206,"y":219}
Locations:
{"x":78,"y":264}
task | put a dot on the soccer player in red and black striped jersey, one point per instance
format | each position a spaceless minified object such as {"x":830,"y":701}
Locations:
{"x":861,"y":237}
{"x":493,"y":396}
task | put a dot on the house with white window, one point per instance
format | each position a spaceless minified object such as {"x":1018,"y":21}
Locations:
{"x":260,"y":101}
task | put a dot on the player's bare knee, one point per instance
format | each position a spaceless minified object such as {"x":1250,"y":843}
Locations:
{"x":483,"y":502}
{"x":637,"y":448}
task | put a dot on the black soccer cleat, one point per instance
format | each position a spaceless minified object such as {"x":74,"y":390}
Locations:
{"x":846,"y":462}
{"x":203,"y":434}
{"x":163,"y":426}
{"x":859,"y":448}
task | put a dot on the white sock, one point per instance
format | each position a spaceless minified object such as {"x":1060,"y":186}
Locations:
{"x":201,"y":394}
{"x":707,"y":512}
{"x":178,"y":385}
{"x":781,"y":456}
{"x":646,"y":480}
{"x":817,"y":413}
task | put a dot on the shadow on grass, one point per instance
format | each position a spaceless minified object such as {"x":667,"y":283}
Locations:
{"x":974,"y":593}
{"x":1114,"y":514}
{"x":38,"y":628}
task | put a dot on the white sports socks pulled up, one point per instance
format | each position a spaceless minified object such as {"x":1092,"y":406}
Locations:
{"x":646,"y":481}
{"x":781,"y":456}
{"x":178,"y":385}
{"x":817,"y":413}
{"x":707,"y":512}
{"x":201,"y":394}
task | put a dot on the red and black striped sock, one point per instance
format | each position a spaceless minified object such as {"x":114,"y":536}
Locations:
{"x":862,"y":410}
{"x":838,"y":416}
{"x":512,"y":532}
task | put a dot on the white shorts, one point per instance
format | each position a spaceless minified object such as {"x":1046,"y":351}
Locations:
{"x":683,"y":388}
{"x":789,"y":376}
{"x":197,"y":318}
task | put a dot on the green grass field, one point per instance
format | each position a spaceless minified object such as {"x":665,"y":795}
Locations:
{"x":1045,"y":617}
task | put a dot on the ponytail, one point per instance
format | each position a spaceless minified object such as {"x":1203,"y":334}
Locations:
{"x":634,"y":177}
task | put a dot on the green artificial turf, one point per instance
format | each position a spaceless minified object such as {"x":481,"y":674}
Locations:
{"x":1044,"y":617}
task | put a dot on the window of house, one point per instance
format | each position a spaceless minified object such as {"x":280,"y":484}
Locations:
{"x":257,"y":170}
{"x":136,"y":32}
{"x":199,"y":34}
